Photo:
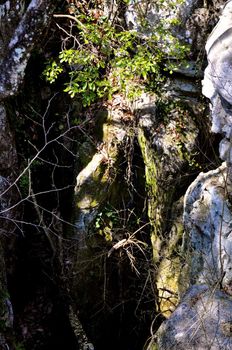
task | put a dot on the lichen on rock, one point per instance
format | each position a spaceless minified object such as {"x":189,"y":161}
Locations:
{"x":19,"y":42}
{"x":95,"y":181}
{"x":217,"y":78}
{"x":167,"y":134}
{"x":201,"y":321}
{"x":208,"y":219}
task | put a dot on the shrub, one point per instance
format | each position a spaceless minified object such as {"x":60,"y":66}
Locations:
{"x":107,"y":58}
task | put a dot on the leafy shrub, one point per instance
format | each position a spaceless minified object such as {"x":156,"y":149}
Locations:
{"x":106,"y":60}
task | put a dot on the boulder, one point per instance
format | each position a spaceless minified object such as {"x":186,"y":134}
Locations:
{"x":218,"y":76}
{"x":201,"y":321}
{"x":208,"y":222}
{"x":203,"y":318}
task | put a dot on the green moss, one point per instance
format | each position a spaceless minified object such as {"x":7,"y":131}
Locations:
{"x":95,"y":187}
{"x":173,"y":272}
{"x":86,"y":153}
{"x":154,"y":347}
{"x":166,"y":146}
{"x":168,"y":284}
{"x":157,"y":198}
{"x":96,"y":183}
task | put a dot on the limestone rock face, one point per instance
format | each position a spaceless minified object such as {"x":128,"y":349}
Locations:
{"x":217,"y":79}
{"x":208,"y":220}
{"x":166,"y":149}
{"x":166,"y":146}
{"x":20,"y":28}
{"x":201,"y":321}
{"x":192,"y":17}
{"x":156,"y":11}
{"x":94,"y":182}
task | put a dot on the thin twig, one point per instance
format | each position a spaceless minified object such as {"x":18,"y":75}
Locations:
{"x":72,"y":18}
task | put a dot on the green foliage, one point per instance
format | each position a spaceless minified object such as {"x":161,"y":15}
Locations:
{"x":25,"y":181}
{"x":52,"y":71}
{"x":24,"y":184}
{"x":19,"y":346}
{"x":106,"y":221}
{"x":106,"y":60}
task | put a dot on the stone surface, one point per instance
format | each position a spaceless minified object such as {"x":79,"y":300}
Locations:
{"x":94,"y":182}
{"x":156,"y":11}
{"x":218,"y":75}
{"x":21,"y":31}
{"x":208,"y":221}
{"x":166,"y":139}
{"x":201,"y":321}
{"x":173,"y":272}
{"x":188,"y":20}
{"x":167,"y":135}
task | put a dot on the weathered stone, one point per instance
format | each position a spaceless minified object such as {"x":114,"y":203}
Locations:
{"x":166,"y":149}
{"x":156,"y":11}
{"x":94,"y":182}
{"x":188,"y":20}
{"x":173,"y":271}
{"x":181,"y":87}
{"x":208,"y":221}
{"x":25,"y":33}
{"x":201,"y":321}
{"x":218,"y":76}
{"x":10,"y":14}
{"x":190,"y":70}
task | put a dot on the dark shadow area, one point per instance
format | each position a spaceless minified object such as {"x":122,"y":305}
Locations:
{"x":118,"y":305}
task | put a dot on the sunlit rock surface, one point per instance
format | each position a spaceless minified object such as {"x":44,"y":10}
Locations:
{"x":21,"y":29}
{"x":208,"y":223}
{"x":218,"y":77}
{"x":166,"y":148}
{"x":94,"y":183}
{"x":203,"y":318}
{"x":201,"y":321}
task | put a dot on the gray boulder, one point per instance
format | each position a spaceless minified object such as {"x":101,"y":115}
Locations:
{"x":218,"y":77}
{"x":201,"y":322}
{"x":208,"y":222}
